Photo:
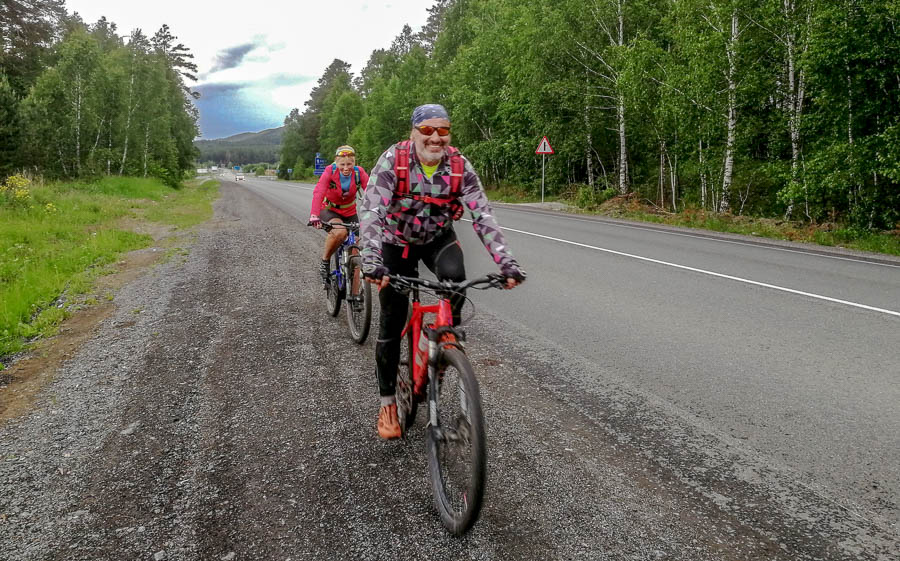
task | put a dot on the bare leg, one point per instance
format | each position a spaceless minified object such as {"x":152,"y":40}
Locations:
{"x":335,"y":238}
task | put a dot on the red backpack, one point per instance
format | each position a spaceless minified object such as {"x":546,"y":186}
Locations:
{"x":401,"y":171}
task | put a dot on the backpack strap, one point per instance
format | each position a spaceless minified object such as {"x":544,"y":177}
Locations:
{"x":334,"y":182}
{"x":401,"y":169}
{"x":457,"y":167}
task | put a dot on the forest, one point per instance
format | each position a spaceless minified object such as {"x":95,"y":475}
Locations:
{"x":781,"y":108}
{"x":78,"y":100}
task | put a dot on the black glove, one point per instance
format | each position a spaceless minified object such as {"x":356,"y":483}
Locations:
{"x":375,"y":271}
{"x":512,"y":271}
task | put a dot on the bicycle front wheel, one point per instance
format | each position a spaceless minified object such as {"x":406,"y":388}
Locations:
{"x":359,"y":301}
{"x":456,"y":447}
{"x":333,"y":293}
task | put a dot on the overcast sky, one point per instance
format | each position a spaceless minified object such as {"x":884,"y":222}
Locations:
{"x":258,"y":59}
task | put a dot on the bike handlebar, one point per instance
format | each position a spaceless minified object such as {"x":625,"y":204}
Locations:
{"x":328,"y":226}
{"x":492,"y":280}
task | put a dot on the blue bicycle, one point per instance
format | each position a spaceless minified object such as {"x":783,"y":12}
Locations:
{"x":345,"y":282}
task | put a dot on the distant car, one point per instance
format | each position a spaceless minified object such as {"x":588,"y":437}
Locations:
{"x":238,"y":177}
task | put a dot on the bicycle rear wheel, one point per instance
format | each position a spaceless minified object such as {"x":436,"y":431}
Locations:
{"x":406,"y":401}
{"x":333,"y":293}
{"x":359,"y":301}
{"x":456,"y":447}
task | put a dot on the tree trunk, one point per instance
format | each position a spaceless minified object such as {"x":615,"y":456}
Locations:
{"x":673,"y":178}
{"x":728,"y":169}
{"x":96,"y":140}
{"x":146,"y":145}
{"x":78,"y":100}
{"x":662,"y":174}
{"x":623,"y":153}
{"x":702,"y":179}
{"x":127,"y":123}
{"x":620,"y":111}
{"x":589,"y":149}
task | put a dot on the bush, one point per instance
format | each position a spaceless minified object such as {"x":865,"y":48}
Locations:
{"x":15,"y":192}
{"x":589,"y":198}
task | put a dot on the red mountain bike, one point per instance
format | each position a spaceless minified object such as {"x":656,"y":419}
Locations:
{"x":437,"y":369}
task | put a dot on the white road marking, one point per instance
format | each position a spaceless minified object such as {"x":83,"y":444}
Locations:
{"x":687,"y":235}
{"x":710,"y":273}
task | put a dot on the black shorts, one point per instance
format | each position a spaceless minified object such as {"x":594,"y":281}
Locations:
{"x":327,"y":215}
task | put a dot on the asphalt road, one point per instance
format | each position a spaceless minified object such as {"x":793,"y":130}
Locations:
{"x":790,"y":353}
{"x":636,"y":410}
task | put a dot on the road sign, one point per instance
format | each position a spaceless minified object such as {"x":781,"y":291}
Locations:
{"x":320,"y":165}
{"x":544,"y":147}
{"x":290,"y":171}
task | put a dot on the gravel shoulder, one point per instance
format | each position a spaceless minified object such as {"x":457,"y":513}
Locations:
{"x":219,"y":413}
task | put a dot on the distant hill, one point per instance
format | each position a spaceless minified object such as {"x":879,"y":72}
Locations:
{"x":268,"y":136}
{"x":242,"y":148}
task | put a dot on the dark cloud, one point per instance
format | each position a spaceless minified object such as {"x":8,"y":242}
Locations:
{"x":232,"y":56}
{"x":211,"y":91}
{"x":216,"y":89}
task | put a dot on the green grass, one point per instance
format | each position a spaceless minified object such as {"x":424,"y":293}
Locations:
{"x":49,"y":255}
{"x":629,"y":208}
{"x":821,"y":234}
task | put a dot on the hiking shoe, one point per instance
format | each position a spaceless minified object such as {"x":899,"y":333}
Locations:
{"x":388,"y":426}
{"x":323,"y":271}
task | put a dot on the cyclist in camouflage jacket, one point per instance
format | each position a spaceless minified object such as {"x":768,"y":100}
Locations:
{"x":399,"y":230}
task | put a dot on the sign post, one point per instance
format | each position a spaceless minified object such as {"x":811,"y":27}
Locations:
{"x":543,"y":149}
{"x":319,"y":164}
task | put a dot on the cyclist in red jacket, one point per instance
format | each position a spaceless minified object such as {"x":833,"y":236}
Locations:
{"x":334,"y":200}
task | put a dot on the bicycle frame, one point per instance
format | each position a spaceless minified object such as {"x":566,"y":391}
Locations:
{"x":344,"y":252}
{"x":441,"y":332}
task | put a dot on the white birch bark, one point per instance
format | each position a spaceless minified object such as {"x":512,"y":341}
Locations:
{"x":146,"y":145}
{"x":620,"y":109}
{"x":128,"y":121}
{"x":728,"y":168}
{"x":794,"y":97}
{"x":97,"y":139}
{"x":702,"y":178}
{"x":77,"y":106}
{"x":608,"y":73}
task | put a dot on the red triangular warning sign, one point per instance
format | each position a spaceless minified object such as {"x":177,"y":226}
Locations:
{"x":544,"y":147}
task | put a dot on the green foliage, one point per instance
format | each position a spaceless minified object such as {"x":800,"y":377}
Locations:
{"x":101,"y":106}
{"x":54,"y":245}
{"x":589,"y":198}
{"x":761,"y":108}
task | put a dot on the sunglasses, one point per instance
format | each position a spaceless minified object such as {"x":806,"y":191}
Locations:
{"x":428,"y":131}
{"x":345,"y":153}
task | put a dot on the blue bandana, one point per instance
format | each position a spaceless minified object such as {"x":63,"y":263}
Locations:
{"x":430,"y":111}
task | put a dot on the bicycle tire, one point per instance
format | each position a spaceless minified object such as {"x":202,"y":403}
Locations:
{"x":458,"y":491}
{"x":359,"y":301}
{"x":333,"y":293}
{"x":407,"y":405}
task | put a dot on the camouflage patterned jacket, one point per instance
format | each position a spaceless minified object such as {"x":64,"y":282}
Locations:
{"x":408,"y":221}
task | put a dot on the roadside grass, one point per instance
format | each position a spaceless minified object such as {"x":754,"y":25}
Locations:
{"x":56,"y":239}
{"x":605,"y":203}
{"x":826,"y":234}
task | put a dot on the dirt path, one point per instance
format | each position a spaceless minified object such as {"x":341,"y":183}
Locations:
{"x":218,"y":413}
